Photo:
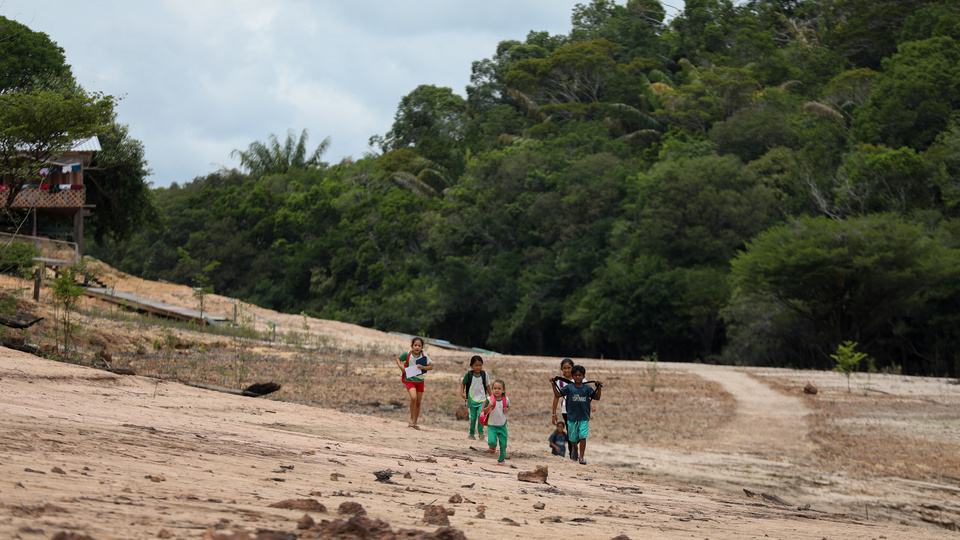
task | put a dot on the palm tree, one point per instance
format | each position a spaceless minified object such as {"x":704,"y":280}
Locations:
{"x":261,"y":159}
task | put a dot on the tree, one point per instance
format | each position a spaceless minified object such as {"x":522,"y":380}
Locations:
{"x":849,"y":278}
{"x":261,"y":159}
{"x":116,"y":185}
{"x":915,"y":96}
{"x":430,"y":120}
{"x":38,"y":126}
{"x":28,"y":57}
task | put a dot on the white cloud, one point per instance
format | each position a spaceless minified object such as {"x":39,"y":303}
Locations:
{"x":203,"y":77}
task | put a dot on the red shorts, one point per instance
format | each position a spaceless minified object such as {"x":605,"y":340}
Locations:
{"x":417,"y":385}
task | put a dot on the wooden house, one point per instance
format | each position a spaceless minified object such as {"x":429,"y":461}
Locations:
{"x":59,"y":194}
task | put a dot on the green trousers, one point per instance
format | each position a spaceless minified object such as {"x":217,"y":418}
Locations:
{"x":475,"y":425}
{"x":497,"y":434}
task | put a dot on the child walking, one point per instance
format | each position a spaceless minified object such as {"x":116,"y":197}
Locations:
{"x":413,"y":379}
{"x":496,"y":408}
{"x":578,"y":397}
{"x":474,"y":390}
{"x":566,"y":372}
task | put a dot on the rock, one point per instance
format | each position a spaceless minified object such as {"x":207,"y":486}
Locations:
{"x":70,"y":536}
{"x":355,"y":527}
{"x":306,"y":522}
{"x":539,"y":506}
{"x":463,"y":413}
{"x":481,"y":511}
{"x":57,"y":470}
{"x":455,"y":499}
{"x":163,"y":533}
{"x":538,"y":475}
{"x":435,"y":515}
{"x":307,"y":505}
{"x":351,"y":508}
{"x":810,"y":389}
{"x":384,"y":476}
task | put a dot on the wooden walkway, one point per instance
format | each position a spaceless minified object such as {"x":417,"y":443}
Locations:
{"x":154,"y":307}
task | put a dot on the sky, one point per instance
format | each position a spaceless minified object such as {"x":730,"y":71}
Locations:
{"x":200,"y":78}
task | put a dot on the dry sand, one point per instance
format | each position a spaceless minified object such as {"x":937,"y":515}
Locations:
{"x":89,"y":452}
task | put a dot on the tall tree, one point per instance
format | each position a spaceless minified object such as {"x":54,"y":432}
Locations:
{"x":28,"y":57}
{"x":272,"y":157}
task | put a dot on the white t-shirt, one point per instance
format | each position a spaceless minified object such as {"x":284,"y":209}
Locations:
{"x":496,"y":416}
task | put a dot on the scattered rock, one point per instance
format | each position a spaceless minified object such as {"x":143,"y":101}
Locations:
{"x":384,"y":476}
{"x":463,"y":413}
{"x":810,"y":389}
{"x":163,"y":533}
{"x":456,"y":498}
{"x":407,"y":475}
{"x":360,"y":527}
{"x":539,"y":506}
{"x":621,"y":537}
{"x":435,"y":515}
{"x":351,"y":508}
{"x":538,"y":475}
{"x":70,"y":536}
{"x":306,"y":522}
{"x":552,"y":519}
{"x":57,"y":470}
{"x":156,"y":478}
{"x":307,"y":505}
{"x":481,"y":511}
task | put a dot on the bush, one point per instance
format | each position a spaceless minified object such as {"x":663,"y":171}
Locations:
{"x":18,"y":259}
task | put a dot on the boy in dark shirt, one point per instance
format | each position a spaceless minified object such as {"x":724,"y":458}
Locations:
{"x":558,"y":441}
{"x":578,"y":396}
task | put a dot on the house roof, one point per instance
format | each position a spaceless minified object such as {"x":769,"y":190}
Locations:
{"x":91,"y":144}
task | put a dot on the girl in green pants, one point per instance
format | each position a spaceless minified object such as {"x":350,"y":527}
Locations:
{"x":496,"y":407}
{"x":474,"y":390}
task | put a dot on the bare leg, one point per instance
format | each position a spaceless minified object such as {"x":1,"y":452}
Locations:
{"x":583,"y":447}
{"x":414,"y":405}
{"x":416,"y":415}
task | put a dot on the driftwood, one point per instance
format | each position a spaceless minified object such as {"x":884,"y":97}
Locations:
{"x":254,"y":390}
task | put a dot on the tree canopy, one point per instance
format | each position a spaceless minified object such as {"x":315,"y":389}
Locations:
{"x":749,"y":182}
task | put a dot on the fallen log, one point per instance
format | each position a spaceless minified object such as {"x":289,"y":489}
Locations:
{"x":254,"y":390}
{"x":16,"y":322}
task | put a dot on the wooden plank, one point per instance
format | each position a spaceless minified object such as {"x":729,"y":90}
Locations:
{"x":155,"y":307}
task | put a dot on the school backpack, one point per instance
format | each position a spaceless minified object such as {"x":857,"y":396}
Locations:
{"x":484,"y":415}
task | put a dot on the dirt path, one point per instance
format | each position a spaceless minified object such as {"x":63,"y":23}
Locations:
{"x":766,"y":421}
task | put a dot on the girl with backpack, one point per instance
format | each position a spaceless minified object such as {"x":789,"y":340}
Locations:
{"x":494,"y":414}
{"x":474,"y":390}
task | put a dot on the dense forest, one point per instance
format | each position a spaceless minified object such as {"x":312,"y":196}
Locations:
{"x":748,"y":182}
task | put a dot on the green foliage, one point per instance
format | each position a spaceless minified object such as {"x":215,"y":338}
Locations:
{"x":261,"y":159}
{"x":914,"y":97}
{"x":40,"y":125}
{"x":18,"y":259}
{"x":705,"y":188}
{"x":66,"y":294}
{"x":27,"y":57}
{"x":847,"y":359}
{"x":849,"y":279}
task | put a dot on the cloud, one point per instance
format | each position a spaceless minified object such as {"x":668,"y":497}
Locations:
{"x":200,"y":78}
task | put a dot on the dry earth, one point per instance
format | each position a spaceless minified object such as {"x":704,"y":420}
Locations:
{"x":675,"y":450}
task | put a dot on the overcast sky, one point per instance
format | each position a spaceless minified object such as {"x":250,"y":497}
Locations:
{"x":200,"y":78}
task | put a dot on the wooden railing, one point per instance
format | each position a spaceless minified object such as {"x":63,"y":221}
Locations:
{"x":46,"y":196}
